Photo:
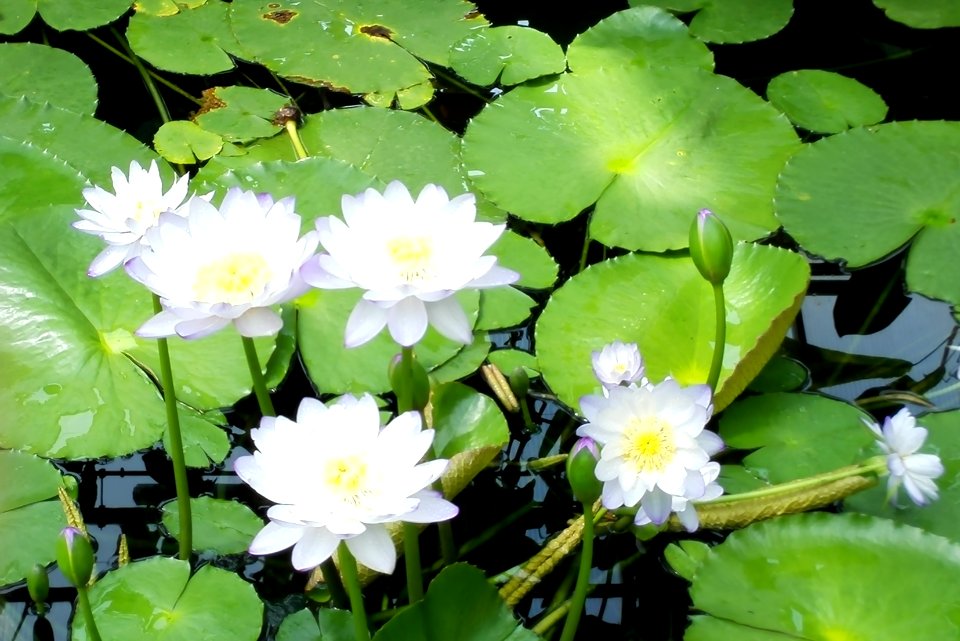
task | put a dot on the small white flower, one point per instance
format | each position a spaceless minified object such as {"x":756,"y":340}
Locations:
{"x":335,"y":476}
{"x":618,"y":363}
{"x":411,"y":257}
{"x":683,"y":506}
{"x":900,"y":439}
{"x":654,"y":444}
{"x":122,"y":218}
{"x":212,"y":267}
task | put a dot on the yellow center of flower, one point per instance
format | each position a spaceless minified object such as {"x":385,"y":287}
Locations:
{"x":235,"y":279}
{"x":346,"y":476}
{"x":145,"y":213}
{"x":411,"y":255}
{"x":649,"y":444}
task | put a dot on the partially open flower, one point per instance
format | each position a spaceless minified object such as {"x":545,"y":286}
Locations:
{"x":411,"y":257}
{"x":336,"y":475}
{"x":618,"y":363}
{"x":122,"y":218}
{"x":900,"y":439}
{"x":683,"y":506}
{"x":212,"y":267}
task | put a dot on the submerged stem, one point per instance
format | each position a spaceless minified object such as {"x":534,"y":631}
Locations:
{"x":411,"y":558}
{"x":83,"y":600}
{"x":351,"y":581}
{"x":583,"y":578}
{"x":256,"y":374}
{"x":720,"y":337}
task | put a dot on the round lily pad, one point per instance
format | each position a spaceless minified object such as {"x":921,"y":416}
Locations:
{"x":649,"y":146}
{"x":80,"y":15}
{"x":922,"y":14}
{"x":508,"y":360}
{"x":328,"y":624}
{"x":465,"y":362}
{"x":157,"y":599}
{"x":16,"y":15}
{"x":189,"y":41}
{"x":528,"y":258}
{"x":731,"y":21}
{"x":165,"y":7}
{"x":825,"y":102}
{"x":224,"y":527}
{"x":241,"y":114}
{"x":185,"y":142}
{"x":862,"y":194}
{"x":45,"y":74}
{"x":825,"y":577}
{"x":465,"y":420}
{"x":663,"y":305}
{"x":503,"y":307}
{"x":509,"y":54}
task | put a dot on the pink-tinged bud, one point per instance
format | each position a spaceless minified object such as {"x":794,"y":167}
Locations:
{"x":711,"y":247}
{"x":75,"y":556}
{"x":581,"y":474}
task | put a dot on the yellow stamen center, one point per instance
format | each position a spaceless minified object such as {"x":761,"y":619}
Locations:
{"x":346,"y":476}
{"x":235,"y":279}
{"x":411,"y":255}
{"x":649,"y":444}
{"x":145,"y":213}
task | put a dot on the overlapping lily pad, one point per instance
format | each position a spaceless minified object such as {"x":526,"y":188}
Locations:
{"x":825,"y":102}
{"x":193,"y":40}
{"x":65,"y":14}
{"x":45,"y":74}
{"x":731,"y":21}
{"x":241,"y":114}
{"x":157,"y":599}
{"x":225,"y":527}
{"x":509,"y":54}
{"x":922,"y":14}
{"x":823,"y":577}
{"x":649,"y":146}
{"x":899,"y":181}
{"x":185,"y":142}
{"x":663,"y":305}
{"x":465,"y":420}
{"x":327,"y":624}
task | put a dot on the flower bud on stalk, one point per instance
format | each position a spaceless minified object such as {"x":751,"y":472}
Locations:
{"x":711,"y":247}
{"x":75,"y":556}
{"x":581,"y":466}
{"x":38,"y":586}
{"x":409,"y":381}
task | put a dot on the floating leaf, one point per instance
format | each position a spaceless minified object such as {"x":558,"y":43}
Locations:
{"x":685,"y":557}
{"x":465,"y":420}
{"x":639,"y":37}
{"x":509,"y":54}
{"x":80,"y":15}
{"x":16,"y":15}
{"x":736,"y":479}
{"x":508,"y":360}
{"x":922,"y":14}
{"x":503,"y":307}
{"x":327,"y":624}
{"x":780,"y":374}
{"x":44,"y":74}
{"x":165,"y":7}
{"x":523,"y":255}
{"x":649,"y":146}
{"x":195,"y":40}
{"x":731,"y":21}
{"x":221,"y":526}
{"x":795,"y":435}
{"x":157,"y":599}
{"x":240,"y":114}
{"x":182,"y":141}
{"x":29,"y":523}
{"x":663,"y":305}
{"x":825,"y":102}
{"x":821,"y":576}
{"x":465,"y":362}
{"x":898,"y":180}
{"x":204,"y":442}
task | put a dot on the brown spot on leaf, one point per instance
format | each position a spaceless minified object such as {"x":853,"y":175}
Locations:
{"x":273,"y":5}
{"x":209,"y":101}
{"x":472,"y":15}
{"x":376,"y":31}
{"x":285,"y":114}
{"x":282,"y":16}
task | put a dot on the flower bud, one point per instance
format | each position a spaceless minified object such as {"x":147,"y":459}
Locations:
{"x":581,"y":474}
{"x":75,"y":556}
{"x":409,"y":381}
{"x":711,"y":247}
{"x":519,"y":382}
{"x":38,"y":586}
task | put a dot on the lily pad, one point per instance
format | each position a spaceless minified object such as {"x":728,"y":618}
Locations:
{"x":45,"y":74}
{"x":821,"y":577}
{"x":503,"y":307}
{"x":465,"y":420}
{"x":525,"y":256}
{"x":780,"y":374}
{"x":80,"y":15}
{"x":16,"y":15}
{"x":328,"y":624}
{"x":165,"y":7}
{"x":508,"y":54}
{"x":508,"y":360}
{"x":185,"y":142}
{"x":639,"y":37}
{"x":649,"y":146}
{"x":899,"y":180}
{"x":241,"y":114}
{"x":922,"y":14}
{"x":29,"y":522}
{"x":731,"y":21}
{"x":795,"y":435}
{"x":157,"y":599}
{"x":663,"y":305}
{"x":465,"y":362}
{"x":825,"y":102}
{"x":943,"y":515}
{"x":204,"y":441}
{"x":221,"y":526}
{"x":193,"y":40}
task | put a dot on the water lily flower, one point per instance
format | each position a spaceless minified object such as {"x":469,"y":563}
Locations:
{"x":212,"y":267}
{"x":654,"y":444}
{"x":683,"y":506}
{"x":900,"y":438}
{"x":618,"y":363}
{"x":336,"y":475}
{"x":122,"y":218}
{"x":411,"y":257}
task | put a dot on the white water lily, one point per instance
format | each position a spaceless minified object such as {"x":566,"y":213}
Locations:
{"x":212,"y":267}
{"x":900,"y":438}
{"x":618,"y":363}
{"x":411,"y":257}
{"x":683,"y":506}
{"x":122,"y":218}
{"x":654,"y":444}
{"x":335,"y":476}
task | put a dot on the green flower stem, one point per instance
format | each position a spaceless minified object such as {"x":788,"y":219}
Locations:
{"x":83,"y":600}
{"x":185,"y":536}
{"x":298,"y":148}
{"x":411,"y":557}
{"x":331,"y":576}
{"x":157,"y":77}
{"x":147,"y":78}
{"x":579,"y":598}
{"x":351,"y":580}
{"x":256,"y":374}
{"x":448,"y":545}
{"x":720,"y":338}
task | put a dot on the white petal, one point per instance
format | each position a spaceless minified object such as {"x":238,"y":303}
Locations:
{"x":657,"y":506}
{"x":366,"y":320}
{"x":689,"y":519}
{"x":448,"y":318}
{"x":374,"y":548}
{"x":258,"y":321}
{"x":161,"y":325}
{"x":311,"y":410}
{"x":432,"y":508}
{"x":201,"y":327}
{"x":313,"y":273}
{"x":275,"y":537}
{"x":408,"y":321}
{"x":496,"y":277}
{"x":928,"y":465}
{"x":109,"y":259}
{"x":314,"y":548}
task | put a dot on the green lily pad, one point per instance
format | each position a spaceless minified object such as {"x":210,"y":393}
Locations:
{"x":29,"y":523}
{"x":780,"y":374}
{"x":328,"y":624}
{"x":943,"y":515}
{"x":80,"y":15}
{"x":639,"y":37}
{"x":686,"y":556}
{"x":165,"y":7}
{"x":375,"y":47}
{"x":194,"y":41}
{"x":241,"y":114}
{"x":508,"y":360}
{"x":899,"y":180}
{"x":649,"y":146}
{"x":525,"y":256}
{"x":795,"y":435}
{"x":204,"y":441}
{"x":185,"y":142}
{"x":46,"y":74}
{"x":221,"y":526}
{"x":16,"y":15}
{"x":825,"y":102}
{"x":663,"y":305}
{"x":736,"y":479}
{"x":157,"y":599}
{"x":820,"y":577}
{"x":922,"y":14}
{"x":503,"y":307}
{"x":441,"y":615}
{"x":465,"y":420}
{"x":731,"y":21}
{"x":465,"y":362}
{"x":509,"y":54}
